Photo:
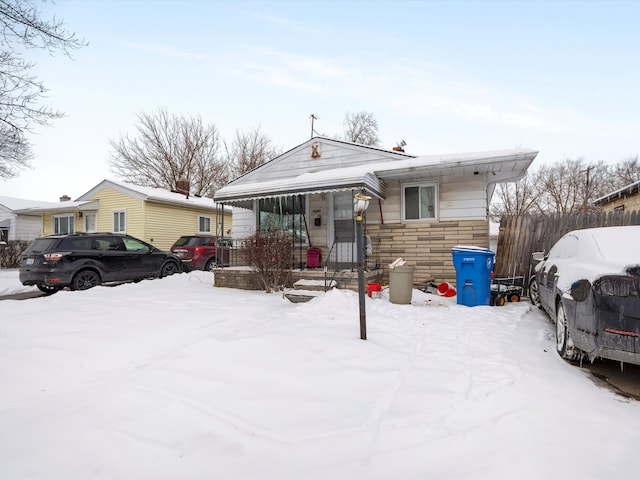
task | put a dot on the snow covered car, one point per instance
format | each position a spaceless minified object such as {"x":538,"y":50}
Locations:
{"x":589,"y":284}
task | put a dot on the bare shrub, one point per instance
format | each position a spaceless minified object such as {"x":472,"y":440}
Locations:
{"x":271,"y":254}
{"x":10,"y":255}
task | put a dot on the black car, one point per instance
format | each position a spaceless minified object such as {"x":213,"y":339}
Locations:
{"x":83,"y":260}
{"x":589,"y":284}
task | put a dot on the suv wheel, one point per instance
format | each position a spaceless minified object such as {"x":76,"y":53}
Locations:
{"x":85,"y":279}
{"x":169,"y":268}
{"x":211,"y":264}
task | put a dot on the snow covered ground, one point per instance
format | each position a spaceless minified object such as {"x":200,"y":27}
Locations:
{"x":176,"y":379}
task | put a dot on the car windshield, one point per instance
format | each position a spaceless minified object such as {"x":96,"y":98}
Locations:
{"x":40,"y":245}
{"x":191,"y":241}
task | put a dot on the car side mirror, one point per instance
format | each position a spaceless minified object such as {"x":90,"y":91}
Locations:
{"x":537,"y":256}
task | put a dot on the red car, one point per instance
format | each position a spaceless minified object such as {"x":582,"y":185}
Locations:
{"x":201,"y":252}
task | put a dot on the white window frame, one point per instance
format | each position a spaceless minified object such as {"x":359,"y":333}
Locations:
{"x":120,"y":228}
{"x":204,"y":217}
{"x":436,"y":206}
{"x":56,"y":223}
{"x":87,"y":215}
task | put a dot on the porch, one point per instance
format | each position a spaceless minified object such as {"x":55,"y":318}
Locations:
{"x":243,"y":277}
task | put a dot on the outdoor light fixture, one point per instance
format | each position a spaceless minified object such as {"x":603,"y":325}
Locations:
{"x":360,"y":204}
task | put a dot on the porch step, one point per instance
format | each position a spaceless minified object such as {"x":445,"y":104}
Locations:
{"x":305,"y":290}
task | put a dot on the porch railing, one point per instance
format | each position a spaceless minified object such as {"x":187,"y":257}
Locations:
{"x":343,"y":257}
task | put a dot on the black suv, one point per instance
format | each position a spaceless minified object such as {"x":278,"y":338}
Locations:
{"x":84,"y":260}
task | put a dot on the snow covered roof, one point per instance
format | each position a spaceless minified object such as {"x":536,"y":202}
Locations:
{"x":316,"y":182}
{"x":151,"y":194}
{"x":497,"y":166}
{"x":630,"y":189}
{"x":24,"y":206}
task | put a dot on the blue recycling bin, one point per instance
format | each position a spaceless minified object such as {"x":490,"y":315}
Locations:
{"x":473,"y":275}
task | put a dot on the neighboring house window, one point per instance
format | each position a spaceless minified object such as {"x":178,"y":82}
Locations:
{"x":420,"y":201}
{"x":64,"y":224}
{"x":204,"y":224}
{"x":4,"y":234}
{"x":619,"y":208}
{"x":119,"y":221}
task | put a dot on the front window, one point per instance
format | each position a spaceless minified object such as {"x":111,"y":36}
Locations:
{"x":283,"y":213}
{"x":119,"y":221}
{"x":64,"y":224}
{"x":204,"y":224}
{"x":420,"y":201}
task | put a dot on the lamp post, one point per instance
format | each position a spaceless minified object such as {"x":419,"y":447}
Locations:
{"x":360,"y":204}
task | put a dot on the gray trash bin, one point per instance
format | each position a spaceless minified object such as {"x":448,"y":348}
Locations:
{"x":401,"y":284}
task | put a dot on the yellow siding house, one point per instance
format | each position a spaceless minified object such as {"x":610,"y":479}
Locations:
{"x":154,"y":215}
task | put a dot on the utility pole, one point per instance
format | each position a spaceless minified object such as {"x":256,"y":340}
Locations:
{"x":586,"y":193}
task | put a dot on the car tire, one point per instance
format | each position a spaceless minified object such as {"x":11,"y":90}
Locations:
{"x":564,"y":343}
{"x":211,"y":264}
{"x":534,"y":293}
{"x":47,"y":289}
{"x":169,"y":268}
{"x":85,"y":279}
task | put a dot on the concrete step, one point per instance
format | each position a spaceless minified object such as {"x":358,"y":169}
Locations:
{"x":305,"y":290}
{"x":317,"y":285}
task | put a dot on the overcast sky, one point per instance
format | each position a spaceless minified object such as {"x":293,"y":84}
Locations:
{"x":446,"y":77}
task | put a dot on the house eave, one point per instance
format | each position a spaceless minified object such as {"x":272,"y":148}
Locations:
{"x":304,"y":184}
{"x":63,"y":207}
{"x":631,"y":189}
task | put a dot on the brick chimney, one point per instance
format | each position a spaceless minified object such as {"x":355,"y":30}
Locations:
{"x":183,"y":186}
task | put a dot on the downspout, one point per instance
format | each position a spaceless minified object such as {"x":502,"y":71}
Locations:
{"x":380,"y":207}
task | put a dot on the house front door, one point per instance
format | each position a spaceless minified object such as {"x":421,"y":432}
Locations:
{"x":344,"y":235}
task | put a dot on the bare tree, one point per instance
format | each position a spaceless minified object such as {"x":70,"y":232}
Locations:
{"x":571,"y":186}
{"x":168,"y":150}
{"x":20,"y":92}
{"x":249,"y":150}
{"x":627,"y":171}
{"x":362,"y":128}
{"x":516,"y":198}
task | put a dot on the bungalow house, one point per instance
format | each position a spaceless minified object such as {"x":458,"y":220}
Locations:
{"x":17,"y":221}
{"x":421,"y":206}
{"x":154,"y":215}
{"x":625,"y":199}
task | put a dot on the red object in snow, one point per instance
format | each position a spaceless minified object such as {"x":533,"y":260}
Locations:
{"x":374,"y":287}
{"x":445,"y":289}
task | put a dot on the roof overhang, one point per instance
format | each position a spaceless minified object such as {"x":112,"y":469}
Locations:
{"x":498,"y":166}
{"x":495,"y":167}
{"x":62,"y":207}
{"x":631,"y":189}
{"x":351,"y":178}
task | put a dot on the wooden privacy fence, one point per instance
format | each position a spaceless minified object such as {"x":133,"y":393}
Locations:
{"x":520,"y":236}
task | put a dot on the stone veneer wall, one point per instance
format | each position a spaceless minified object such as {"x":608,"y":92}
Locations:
{"x":244,"y":279}
{"x":427,"y":246}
